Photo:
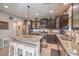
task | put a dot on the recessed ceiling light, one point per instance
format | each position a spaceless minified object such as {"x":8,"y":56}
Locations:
{"x":26,"y":16}
{"x":5,"y":6}
{"x":51,"y":11}
{"x":36,"y":14}
{"x":65,"y":13}
{"x":65,"y":3}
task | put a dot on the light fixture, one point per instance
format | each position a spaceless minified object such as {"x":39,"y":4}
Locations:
{"x":64,"y":3}
{"x":51,"y":11}
{"x":26,"y":16}
{"x":28,"y":22}
{"x":65,"y":13}
{"x":28,"y":12}
{"x":37,"y":14}
{"x":5,"y":6}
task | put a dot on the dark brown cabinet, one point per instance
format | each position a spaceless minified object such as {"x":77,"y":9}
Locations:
{"x":59,"y":22}
{"x":48,"y":23}
{"x":43,"y":23}
{"x":51,"y":24}
{"x":62,"y":21}
{"x":35,"y":24}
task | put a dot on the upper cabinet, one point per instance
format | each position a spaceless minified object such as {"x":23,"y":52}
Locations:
{"x":59,"y":22}
{"x":51,"y":24}
{"x":43,"y":23}
{"x":63,"y":21}
{"x":35,"y":24}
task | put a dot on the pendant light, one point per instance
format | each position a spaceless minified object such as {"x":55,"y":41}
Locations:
{"x":28,"y":21}
{"x":28,"y":16}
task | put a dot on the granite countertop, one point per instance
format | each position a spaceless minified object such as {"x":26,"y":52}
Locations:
{"x":66,"y":44}
{"x":29,"y":38}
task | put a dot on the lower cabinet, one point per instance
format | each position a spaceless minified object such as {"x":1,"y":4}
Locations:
{"x":29,"y":52}
{"x":21,"y":50}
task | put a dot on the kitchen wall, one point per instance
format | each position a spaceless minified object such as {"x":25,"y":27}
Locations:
{"x":19,"y":28}
{"x":15,"y":27}
{"x":75,"y":16}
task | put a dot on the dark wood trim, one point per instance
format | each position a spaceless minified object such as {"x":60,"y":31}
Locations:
{"x":72,"y":16}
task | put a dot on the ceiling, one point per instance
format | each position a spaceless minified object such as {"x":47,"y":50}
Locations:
{"x":43,"y":9}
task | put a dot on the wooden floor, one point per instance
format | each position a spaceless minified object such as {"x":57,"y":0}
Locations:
{"x":4,"y":51}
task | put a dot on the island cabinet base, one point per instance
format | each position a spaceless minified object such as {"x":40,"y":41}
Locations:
{"x":23,"y":49}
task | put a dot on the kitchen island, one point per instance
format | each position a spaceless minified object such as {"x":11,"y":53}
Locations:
{"x":26,"y":45}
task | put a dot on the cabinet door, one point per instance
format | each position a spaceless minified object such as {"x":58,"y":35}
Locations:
{"x":19,"y":51}
{"x":63,"y":21}
{"x":29,"y":51}
{"x":37,"y":24}
{"x":57,"y":22}
{"x":43,"y":23}
{"x":26,"y":51}
{"x":33,"y":24}
{"x":12,"y":50}
{"x":32,"y":52}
